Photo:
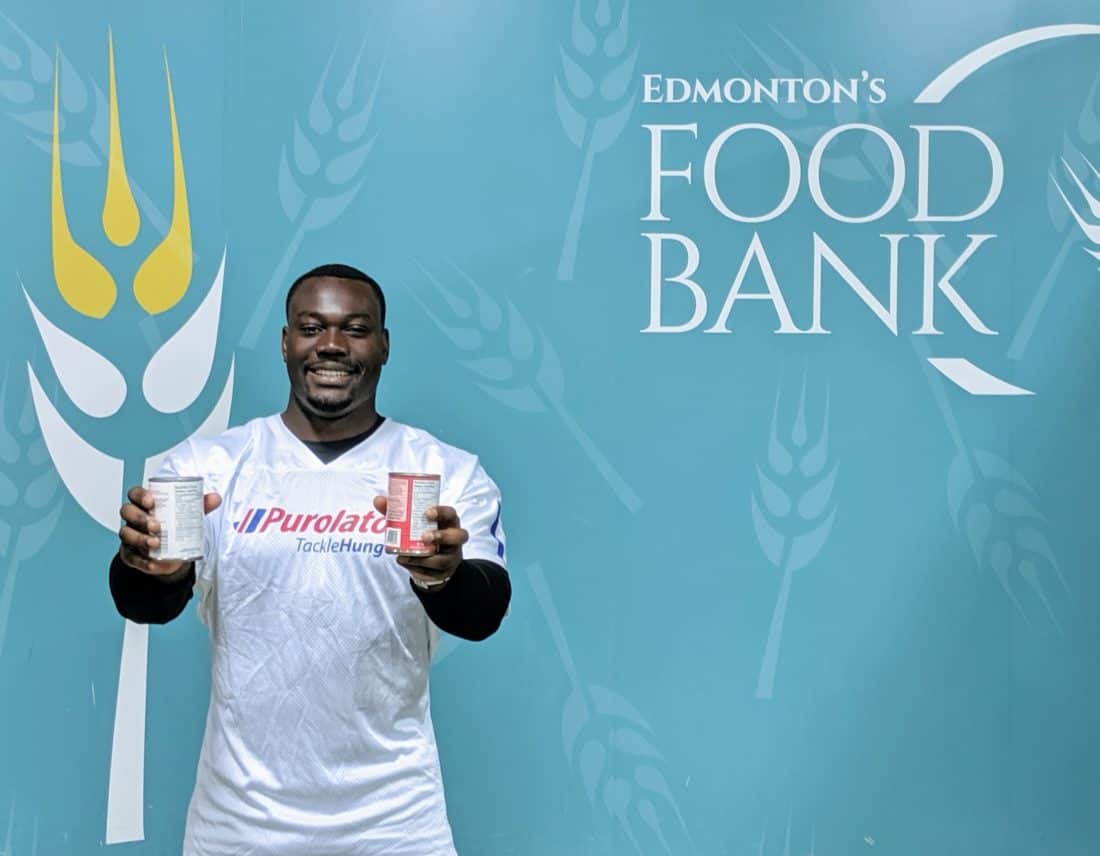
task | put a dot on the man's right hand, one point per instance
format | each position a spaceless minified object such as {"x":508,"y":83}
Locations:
{"x":139,"y":535}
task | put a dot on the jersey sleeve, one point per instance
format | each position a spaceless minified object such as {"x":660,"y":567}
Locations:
{"x":479,"y":510}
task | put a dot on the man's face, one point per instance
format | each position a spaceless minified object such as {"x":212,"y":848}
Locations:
{"x":334,"y":346}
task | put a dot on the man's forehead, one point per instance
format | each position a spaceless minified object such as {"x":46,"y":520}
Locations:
{"x":337,"y":295}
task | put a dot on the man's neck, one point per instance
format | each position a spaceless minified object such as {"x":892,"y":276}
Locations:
{"x":312,"y":429}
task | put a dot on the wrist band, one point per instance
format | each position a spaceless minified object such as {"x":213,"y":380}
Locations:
{"x":438,"y":584}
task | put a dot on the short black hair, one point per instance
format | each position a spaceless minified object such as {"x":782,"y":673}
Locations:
{"x":339,"y":271}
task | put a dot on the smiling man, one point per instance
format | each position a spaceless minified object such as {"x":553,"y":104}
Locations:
{"x":334,"y":378}
{"x":319,"y":735}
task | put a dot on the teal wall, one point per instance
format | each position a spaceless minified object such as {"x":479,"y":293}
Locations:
{"x":775,"y":593}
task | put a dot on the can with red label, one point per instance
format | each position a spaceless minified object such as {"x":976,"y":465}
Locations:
{"x":410,"y":496}
{"x":178,"y":509}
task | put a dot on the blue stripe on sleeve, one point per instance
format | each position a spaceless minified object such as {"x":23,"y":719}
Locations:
{"x":493,"y":532}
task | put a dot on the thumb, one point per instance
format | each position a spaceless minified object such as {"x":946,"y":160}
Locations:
{"x":210,"y":501}
{"x":380,"y":504}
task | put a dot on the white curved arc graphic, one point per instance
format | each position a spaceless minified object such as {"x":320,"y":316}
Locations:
{"x":179,"y":369}
{"x":126,"y":779}
{"x":974,"y":380}
{"x":89,"y":379}
{"x":959,"y":71}
{"x":215,"y":423}
{"x":93,"y":478}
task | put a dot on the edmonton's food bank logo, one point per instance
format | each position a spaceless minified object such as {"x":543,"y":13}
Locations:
{"x":176,"y":372}
{"x":176,"y":368}
{"x":850,"y":151}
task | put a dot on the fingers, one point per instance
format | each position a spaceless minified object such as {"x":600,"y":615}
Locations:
{"x":447,"y":542}
{"x":446,"y":539}
{"x":449,"y":536}
{"x":444,"y":516}
{"x":428,"y":568}
{"x":137,"y":541}
{"x":137,"y":515}
{"x":138,"y":512}
{"x":141,"y":497}
{"x":138,"y":534}
{"x":138,"y":520}
{"x":153,"y":567}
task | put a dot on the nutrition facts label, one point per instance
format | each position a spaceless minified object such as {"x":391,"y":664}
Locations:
{"x":425,"y":494}
{"x":398,"y":508}
{"x":180,"y":513}
{"x":410,"y":496}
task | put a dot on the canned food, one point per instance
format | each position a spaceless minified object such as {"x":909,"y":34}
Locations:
{"x":410,"y":496}
{"x":179,"y":511}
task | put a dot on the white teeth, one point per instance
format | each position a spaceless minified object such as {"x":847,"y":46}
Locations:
{"x":331,"y":373}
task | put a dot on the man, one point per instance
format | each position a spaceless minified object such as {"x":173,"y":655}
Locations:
{"x":319,"y":736}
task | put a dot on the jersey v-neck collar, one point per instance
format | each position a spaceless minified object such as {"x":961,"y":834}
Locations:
{"x":311,"y":459}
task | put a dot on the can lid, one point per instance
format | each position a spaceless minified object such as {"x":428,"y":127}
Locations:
{"x":175,"y":479}
{"x":434,"y":476}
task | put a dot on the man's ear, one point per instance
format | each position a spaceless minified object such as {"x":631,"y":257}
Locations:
{"x":386,"y":349}
{"x":285,"y":332}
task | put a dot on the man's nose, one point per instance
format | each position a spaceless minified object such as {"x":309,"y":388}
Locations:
{"x":332,"y":340}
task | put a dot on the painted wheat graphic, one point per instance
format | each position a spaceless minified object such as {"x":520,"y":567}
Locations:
{"x":512,"y":362}
{"x":996,"y":510}
{"x":1070,"y":168}
{"x":608,"y":743}
{"x":593,"y":96}
{"x":28,"y":488}
{"x":792,"y":513}
{"x":26,"y":93}
{"x":321,"y":170}
{"x":1088,"y":217}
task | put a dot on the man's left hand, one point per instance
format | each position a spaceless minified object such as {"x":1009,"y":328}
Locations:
{"x":447,"y":540}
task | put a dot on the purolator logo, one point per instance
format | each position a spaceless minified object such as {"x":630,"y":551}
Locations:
{"x":175,"y":372}
{"x":344,"y":520}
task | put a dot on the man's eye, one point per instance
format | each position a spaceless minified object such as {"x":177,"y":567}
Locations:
{"x":309,"y":329}
{"x":358,"y":330}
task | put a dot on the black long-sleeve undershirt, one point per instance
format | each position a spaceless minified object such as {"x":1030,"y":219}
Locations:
{"x":471,"y":605}
{"x":146,"y":599}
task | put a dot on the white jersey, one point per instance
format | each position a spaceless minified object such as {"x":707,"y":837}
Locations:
{"x":319,"y":735}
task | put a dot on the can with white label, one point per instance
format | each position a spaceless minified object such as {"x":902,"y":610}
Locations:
{"x":179,"y":511}
{"x":409,"y":496}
